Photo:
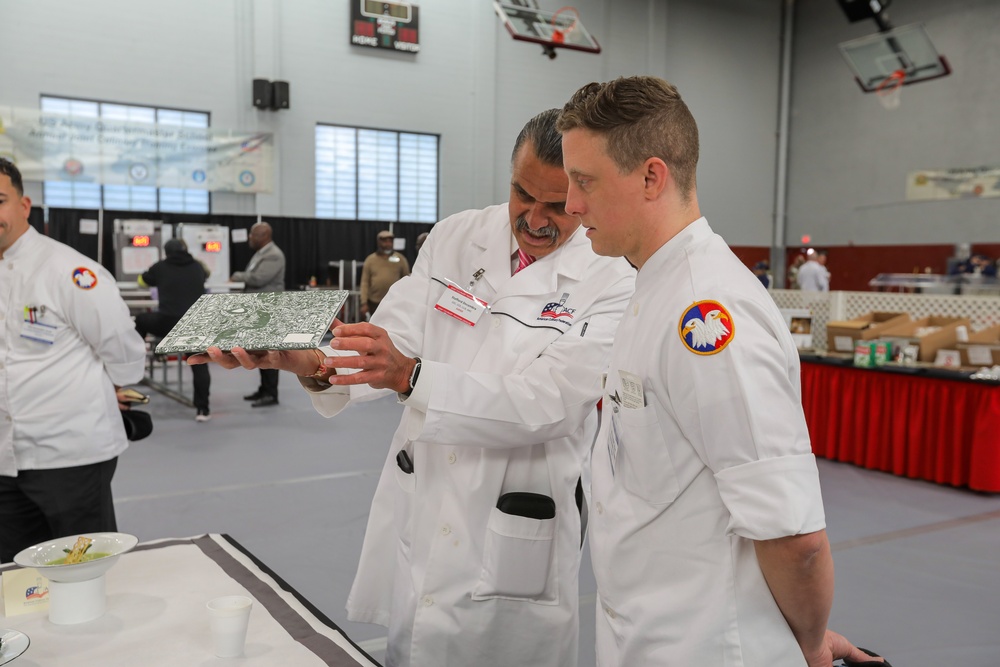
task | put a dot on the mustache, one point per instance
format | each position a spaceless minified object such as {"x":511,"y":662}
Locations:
{"x":550,"y":231}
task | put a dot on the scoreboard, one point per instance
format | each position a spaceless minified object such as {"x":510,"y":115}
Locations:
{"x":385,"y":25}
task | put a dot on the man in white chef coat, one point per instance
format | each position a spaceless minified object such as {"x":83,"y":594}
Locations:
{"x":67,"y":340}
{"x":707,"y":531}
{"x":496,"y":346}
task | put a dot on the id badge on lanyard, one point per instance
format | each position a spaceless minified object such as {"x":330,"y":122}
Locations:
{"x":462,"y":304}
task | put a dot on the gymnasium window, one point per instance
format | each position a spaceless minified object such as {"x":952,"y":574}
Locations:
{"x":81,"y":194}
{"x":367,"y":174}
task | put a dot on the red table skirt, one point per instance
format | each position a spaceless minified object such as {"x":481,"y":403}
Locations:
{"x":945,"y":431}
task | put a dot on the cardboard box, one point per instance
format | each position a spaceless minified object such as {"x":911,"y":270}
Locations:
{"x":840,"y":336}
{"x":982,"y":348}
{"x":945,"y":337}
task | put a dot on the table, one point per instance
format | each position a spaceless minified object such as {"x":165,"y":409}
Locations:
{"x":156,"y":614}
{"x":920,"y":423}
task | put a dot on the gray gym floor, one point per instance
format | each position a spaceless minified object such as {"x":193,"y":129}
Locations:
{"x":918,"y":565}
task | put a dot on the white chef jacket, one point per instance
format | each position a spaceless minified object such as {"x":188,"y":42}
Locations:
{"x":57,"y":374}
{"x":506,"y":405}
{"x":718,"y":457}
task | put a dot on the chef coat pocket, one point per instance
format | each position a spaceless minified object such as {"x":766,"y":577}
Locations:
{"x":517,"y":558}
{"x":644,"y":460}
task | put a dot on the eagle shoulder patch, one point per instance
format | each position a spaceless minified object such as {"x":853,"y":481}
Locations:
{"x":706,"y":327}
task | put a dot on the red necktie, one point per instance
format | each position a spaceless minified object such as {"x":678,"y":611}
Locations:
{"x":523,"y":260}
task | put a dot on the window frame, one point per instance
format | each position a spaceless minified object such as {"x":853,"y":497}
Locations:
{"x":357,"y":162}
{"x":156,"y":109}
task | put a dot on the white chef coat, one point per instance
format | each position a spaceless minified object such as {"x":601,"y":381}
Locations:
{"x":57,"y":375}
{"x":718,"y":457}
{"x":506,"y":405}
{"x":813,"y":277}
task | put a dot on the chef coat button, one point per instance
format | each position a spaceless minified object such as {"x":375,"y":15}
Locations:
{"x":496,"y":322}
{"x":7,"y":418}
{"x":600,"y":508}
{"x":452,"y":458}
{"x":446,"y":529}
{"x":610,"y":612}
{"x":428,"y":601}
{"x":635,"y":308}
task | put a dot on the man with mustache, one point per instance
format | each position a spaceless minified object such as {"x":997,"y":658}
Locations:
{"x":496,"y":346}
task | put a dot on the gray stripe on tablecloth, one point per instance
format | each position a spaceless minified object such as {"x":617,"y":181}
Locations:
{"x":323,"y":647}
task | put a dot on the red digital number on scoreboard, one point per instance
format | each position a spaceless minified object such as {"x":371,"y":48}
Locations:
{"x":140,"y":241}
{"x":213,"y":246}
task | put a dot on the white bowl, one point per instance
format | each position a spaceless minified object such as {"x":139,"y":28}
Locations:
{"x":40,"y":555}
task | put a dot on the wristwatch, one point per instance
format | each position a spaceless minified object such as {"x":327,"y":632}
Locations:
{"x":413,"y":377}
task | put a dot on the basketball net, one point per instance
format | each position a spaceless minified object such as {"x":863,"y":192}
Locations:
{"x":889,"y":92}
{"x":559,"y":35}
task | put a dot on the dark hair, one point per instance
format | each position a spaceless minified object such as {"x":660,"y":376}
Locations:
{"x":544,"y":137}
{"x":174,"y":247}
{"x":8,"y":168}
{"x":639,"y":117}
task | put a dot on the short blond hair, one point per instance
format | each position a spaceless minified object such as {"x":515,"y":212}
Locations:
{"x":640,"y":117}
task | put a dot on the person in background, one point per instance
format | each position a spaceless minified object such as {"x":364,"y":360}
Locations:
{"x":179,"y":280}
{"x":708,"y":533}
{"x":813,"y":275}
{"x":68,"y":345}
{"x":265,"y":272}
{"x":421,"y":237}
{"x":381,"y":270}
{"x":473,"y":545}
{"x":793,"y":271}
{"x":761,"y":269}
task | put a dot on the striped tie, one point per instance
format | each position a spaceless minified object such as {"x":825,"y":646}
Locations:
{"x":523,"y":260}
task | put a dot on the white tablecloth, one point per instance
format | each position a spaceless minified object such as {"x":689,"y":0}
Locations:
{"x":156,"y":615}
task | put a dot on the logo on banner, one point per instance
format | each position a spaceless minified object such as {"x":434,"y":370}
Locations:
{"x":198,"y":176}
{"x":706,"y":327}
{"x":73,"y":167}
{"x":84,"y":278}
{"x":247,"y":178}
{"x":36,"y":592}
{"x":557,"y":311}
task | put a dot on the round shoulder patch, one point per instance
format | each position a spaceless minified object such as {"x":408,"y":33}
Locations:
{"x":706,"y":327}
{"x":84,"y":278}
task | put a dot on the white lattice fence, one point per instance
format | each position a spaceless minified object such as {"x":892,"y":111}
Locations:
{"x":982,"y":311}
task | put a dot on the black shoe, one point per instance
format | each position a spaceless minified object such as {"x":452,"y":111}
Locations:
{"x":264,"y":401}
{"x":256,"y":396}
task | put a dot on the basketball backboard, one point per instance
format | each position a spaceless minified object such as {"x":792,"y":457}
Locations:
{"x":875,"y":58}
{"x":560,"y":30}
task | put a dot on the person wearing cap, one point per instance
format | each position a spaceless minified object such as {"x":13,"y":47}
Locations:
{"x":68,"y":344}
{"x":180,"y":280}
{"x":382,"y":269}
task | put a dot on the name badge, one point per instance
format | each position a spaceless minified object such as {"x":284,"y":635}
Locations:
{"x":461,"y":305}
{"x":36,"y":331}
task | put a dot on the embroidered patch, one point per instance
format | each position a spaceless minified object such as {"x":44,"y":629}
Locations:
{"x":556,"y":311}
{"x":84,"y":278}
{"x":706,"y":327}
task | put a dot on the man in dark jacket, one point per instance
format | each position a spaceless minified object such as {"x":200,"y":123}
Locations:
{"x":180,"y":280}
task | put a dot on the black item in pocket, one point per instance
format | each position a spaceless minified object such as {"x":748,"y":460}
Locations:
{"x":531,"y":505}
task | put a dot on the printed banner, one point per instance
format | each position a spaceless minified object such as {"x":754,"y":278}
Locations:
{"x":55,"y":147}
{"x":954,"y":183}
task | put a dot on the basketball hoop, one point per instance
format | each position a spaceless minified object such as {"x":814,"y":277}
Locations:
{"x":559,"y":35}
{"x":889,"y":92}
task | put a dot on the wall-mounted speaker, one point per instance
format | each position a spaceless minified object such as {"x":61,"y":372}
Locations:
{"x":280,"y":95}
{"x":263,"y":93}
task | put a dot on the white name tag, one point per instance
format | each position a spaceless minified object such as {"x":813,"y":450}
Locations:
{"x":632,"y":396}
{"x":42,"y":333}
{"x":461,"y":305}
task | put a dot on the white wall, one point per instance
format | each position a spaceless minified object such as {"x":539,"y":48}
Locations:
{"x":849,"y":157}
{"x":471,"y":82}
